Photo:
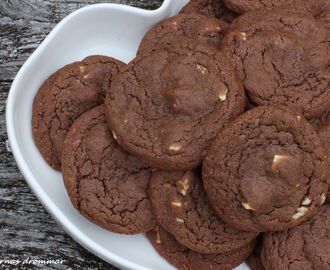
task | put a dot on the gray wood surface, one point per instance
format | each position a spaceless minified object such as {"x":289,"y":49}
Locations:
{"x":26,"y":229}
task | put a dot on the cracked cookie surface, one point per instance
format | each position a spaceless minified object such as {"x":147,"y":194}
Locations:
{"x":104,"y":183}
{"x":194,"y":26}
{"x":302,"y":248}
{"x":173,"y":102}
{"x":181,"y":207}
{"x":282,"y":57}
{"x":242,"y":6}
{"x":184,"y":258}
{"x":210,"y":8}
{"x":64,"y":96}
{"x":266,"y":170}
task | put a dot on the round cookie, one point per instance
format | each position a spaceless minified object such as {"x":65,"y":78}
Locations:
{"x":210,"y":8}
{"x":282,"y":58}
{"x":184,"y":258}
{"x":181,"y":207}
{"x":104,"y":183}
{"x":64,"y":96}
{"x":304,"y":247}
{"x":194,"y":26}
{"x":266,"y":170}
{"x":174,"y":101}
{"x":242,"y":6}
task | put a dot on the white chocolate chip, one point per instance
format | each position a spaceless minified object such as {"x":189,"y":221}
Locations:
{"x":247,"y":206}
{"x":114,"y":135}
{"x":298,"y":185}
{"x":175,"y":147}
{"x":125,"y":121}
{"x":202,"y":69}
{"x":86,"y":76}
{"x":179,"y":220}
{"x":306,"y":202}
{"x":82,"y":69}
{"x":176,"y":204}
{"x":300,"y":212}
{"x":298,"y":117}
{"x":223,"y":94}
{"x":243,"y":36}
{"x":158,"y":240}
{"x":185,"y":186}
{"x":277,"y":160}
{"x":323,"y":198}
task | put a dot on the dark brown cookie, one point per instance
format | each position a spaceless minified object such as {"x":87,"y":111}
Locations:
{"x":266,"y":171}
{"x":68,"y":93}
{"x":186,"y":259}
{"x":282,"y":58}
{"x":210,"y":8}
{"x":181,"y":207}
{"x":242,"y":6}
{"x":173,"y":102}
{"x":302,"y":248}
{"x":194,"y":26}
{"x":104,"y":183}
{"x":254,"y":260}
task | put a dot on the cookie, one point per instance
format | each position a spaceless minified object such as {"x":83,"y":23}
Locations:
{"x":173,"y":102}
{"x":304,"y":247}
{"x":181,"y":207}
{"x":266,"y":170}
{"x":254,"y":260}
{"x":194,"y":26}
{"x":210,"y":8}
{"x":68,"y":93}
{"x":242,"y":6}
{"x":282,"y":58}
{"x":184,"y":258}
{"x":104,"y":183}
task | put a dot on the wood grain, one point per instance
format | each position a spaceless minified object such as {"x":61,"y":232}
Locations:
{"x":26,"y":229}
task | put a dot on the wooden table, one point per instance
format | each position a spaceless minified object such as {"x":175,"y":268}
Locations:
{"x":26,"y":229}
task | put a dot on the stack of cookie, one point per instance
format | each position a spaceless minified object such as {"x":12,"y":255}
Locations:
{"x":214,"y":140}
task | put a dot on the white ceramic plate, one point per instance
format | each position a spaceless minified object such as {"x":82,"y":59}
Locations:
{"x":109,"y":29}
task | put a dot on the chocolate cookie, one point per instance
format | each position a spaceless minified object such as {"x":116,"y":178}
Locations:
{"x":194,"y":26}
{"x":68,"y":93}
{"x":173,"y":102}
{"x":304,"y":247}
{"x":104,"y":183}
{"x":242,"y":6}
{"x":184,"y":258}
{"x":254,"y":260}
{"x":181,"y":207}
{"x":266,"y":171}
{"x":210,"y":8}
{"x":282,"y":58}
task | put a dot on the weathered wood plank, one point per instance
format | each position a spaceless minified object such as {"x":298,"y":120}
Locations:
{"x":26,"y":229}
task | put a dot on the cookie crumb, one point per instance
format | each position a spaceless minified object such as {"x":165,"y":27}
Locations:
{"x":300,"y":212}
